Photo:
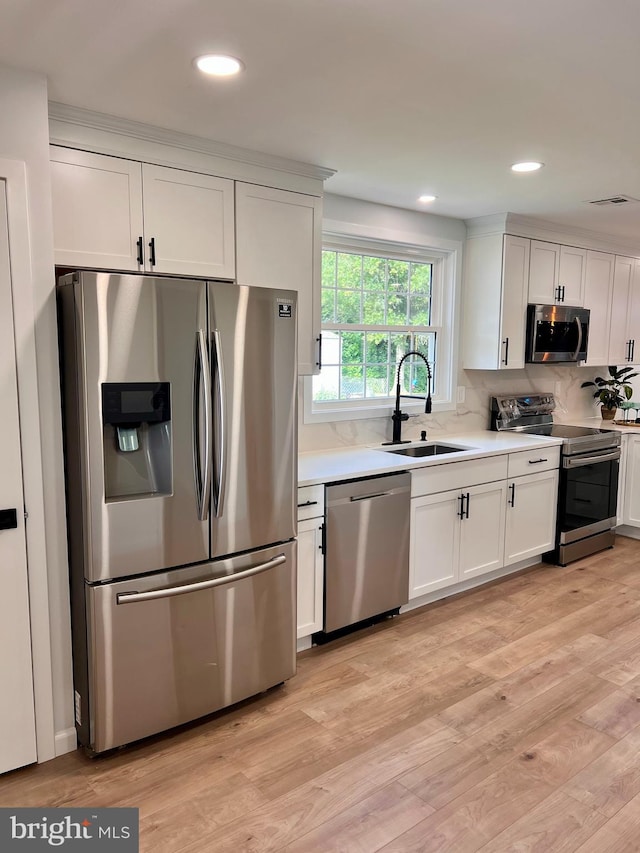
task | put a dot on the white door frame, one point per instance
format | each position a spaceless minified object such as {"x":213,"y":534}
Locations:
{"x":14,"y":173}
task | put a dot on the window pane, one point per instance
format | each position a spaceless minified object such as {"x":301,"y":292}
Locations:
{"x":352,"y":386}
{"x":348,"y":307}
{"x":352,"y":347}
{"x":373,"y":308}
{"x":374,"y":273}
{"x":349,"y":270}
{"x":425,"y":344}
{"x":421,"y":279}
{"x":400,"y":344}
{"x":377,"y":347}
{"x":396,"y":310}
{"x":326,"y":386}
{"x":328,"y":269}
{"x":414,"y":376}
{"x":328,"y":306}
{"x":377,"y":384}
{"x":419,"y":311}
{"x":398,"y":275}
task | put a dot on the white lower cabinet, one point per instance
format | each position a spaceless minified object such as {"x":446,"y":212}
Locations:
{"x":475,"y":529}
{"x":310,"y":559}
{"x":310,"y":576}
{"x":455,"y":535}
{"x":531,"y":516}
{"x":632,"y":482}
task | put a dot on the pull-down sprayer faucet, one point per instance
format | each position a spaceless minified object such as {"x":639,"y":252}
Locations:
{"x":399,"y":416}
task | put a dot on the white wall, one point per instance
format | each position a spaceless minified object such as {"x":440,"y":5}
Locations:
{"x":24,"y":136}
{"x":356,"y":217}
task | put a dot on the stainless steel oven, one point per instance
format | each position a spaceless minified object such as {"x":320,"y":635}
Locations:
{"x":587,"y":502}
{"x":589,"y":468}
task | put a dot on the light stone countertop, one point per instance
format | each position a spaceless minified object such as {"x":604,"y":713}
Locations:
{"x":327,"y":466}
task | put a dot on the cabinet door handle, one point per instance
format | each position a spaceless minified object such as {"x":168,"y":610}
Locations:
{"x":505,"y":344}
{"x":557,"y":293}
{"x":461,"y":511}
{"x":512,"y":500}
{"x":152,"y":249}
{"x":319,"y":361}
{"x":140,"y":244}
{"x":537,"y":461}
{"x":323,"y":538}
{"x":633,"y":349}
{"x":8,"y":519}
{"x":562,"y":298}
{"x":308,"y":503}
{"x":628,"y":353}
{"x":467,"y":510}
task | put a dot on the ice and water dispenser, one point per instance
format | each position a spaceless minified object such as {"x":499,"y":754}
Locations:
{"x":136,"y":423}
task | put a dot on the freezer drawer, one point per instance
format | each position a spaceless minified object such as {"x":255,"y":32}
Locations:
{"x":367,"y":549}
{"x":172,"y":647}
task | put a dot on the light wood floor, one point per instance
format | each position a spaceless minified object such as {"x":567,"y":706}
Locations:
{"x":507,"y":718}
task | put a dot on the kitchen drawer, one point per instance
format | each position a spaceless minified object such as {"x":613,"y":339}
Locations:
{"x":457,"y":475}
{"x":532,"y":461}
{"x":310,"y":502}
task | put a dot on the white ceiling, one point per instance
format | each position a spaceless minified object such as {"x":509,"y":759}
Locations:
{"x":401,"y":97}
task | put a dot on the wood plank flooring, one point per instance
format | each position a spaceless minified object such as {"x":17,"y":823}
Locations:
{"x":503,"y":719}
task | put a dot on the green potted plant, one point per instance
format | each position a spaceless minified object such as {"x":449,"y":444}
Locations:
{"x":613,"y":391}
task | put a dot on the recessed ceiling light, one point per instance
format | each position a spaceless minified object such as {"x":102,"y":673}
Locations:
{"x":218,"y":65}
{"x":425,"y":199}
{"x":531,"y":166}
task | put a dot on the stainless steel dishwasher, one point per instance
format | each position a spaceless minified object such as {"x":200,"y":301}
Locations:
{"x":366,"y":549}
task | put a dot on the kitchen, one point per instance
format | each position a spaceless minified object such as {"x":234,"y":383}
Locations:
{"x":24,"y":95}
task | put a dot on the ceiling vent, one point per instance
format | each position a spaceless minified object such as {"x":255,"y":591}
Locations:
{"x":615,"y":199}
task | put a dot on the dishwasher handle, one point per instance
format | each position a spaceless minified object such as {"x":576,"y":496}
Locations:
{"x":369,"y":497}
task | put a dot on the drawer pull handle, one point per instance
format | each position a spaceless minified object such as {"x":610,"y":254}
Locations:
{"x":536,"y":461}
{"x":308,"y":503}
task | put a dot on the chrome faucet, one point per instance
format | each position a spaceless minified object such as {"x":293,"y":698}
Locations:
{"x":399,"y":416}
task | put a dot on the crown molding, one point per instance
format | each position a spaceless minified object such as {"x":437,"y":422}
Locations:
{"x":553,"y":232}
{"x":80,"y":117}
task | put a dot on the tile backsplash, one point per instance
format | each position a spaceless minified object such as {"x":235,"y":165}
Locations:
{"x":563,"y":380}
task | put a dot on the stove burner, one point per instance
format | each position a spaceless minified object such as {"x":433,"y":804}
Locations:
{"x":532,"y":414}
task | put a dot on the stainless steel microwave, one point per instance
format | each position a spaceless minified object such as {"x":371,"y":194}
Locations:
{"x":556,"y":333}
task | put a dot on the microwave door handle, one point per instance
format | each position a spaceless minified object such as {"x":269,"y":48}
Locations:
{"x":579,"y":324}
{"x":221,"y":453}
{"x":202,"y":379}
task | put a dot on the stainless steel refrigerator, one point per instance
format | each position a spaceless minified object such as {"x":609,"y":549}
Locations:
{"x":180,"y":446}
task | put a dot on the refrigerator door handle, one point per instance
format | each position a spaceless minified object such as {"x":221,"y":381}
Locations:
{"x":202,"y":378}
{"x":221,"y":450}
{"x":171,"y":591}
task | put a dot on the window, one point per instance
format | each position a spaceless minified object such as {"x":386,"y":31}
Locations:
{"x":376,"y":307}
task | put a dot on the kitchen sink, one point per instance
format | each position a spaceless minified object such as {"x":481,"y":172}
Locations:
{"x":434,"y":449}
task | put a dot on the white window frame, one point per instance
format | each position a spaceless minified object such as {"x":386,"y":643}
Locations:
{"x":444,"y":294}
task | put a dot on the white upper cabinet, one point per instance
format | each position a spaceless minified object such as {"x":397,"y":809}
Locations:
{"x":556,"y":274}
{"x":118,"y":214}
{"x":544,"y":272}
{"x":97,"y":210}
{"x":624,"y":341}
{"x":188,"y":223}
{"x":278,"y":244}
{"x":598,"y":296}
{"x":496,"y":271}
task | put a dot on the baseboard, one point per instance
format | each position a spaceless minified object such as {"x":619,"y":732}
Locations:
{"x":627,"y":530}
{"x":480,"y":580}
{"x":66,"y":741}
{"x":304,"y":643}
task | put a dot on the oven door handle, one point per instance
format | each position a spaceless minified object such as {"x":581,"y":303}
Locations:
{"x":580,"y":461}
{"x":579,"y":324}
